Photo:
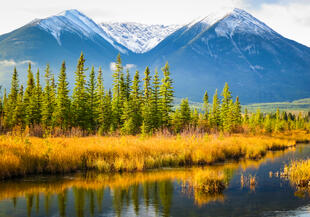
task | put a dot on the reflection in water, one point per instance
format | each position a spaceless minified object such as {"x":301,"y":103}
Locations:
{"x":155,"y":189}
{"x":153,"y":193}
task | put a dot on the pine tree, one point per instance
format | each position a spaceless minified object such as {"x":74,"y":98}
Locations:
{"x":38,"y":95}
{"x":277,"y":121}
{"x":147,"y":85}
{"x":127,"y":85}
{"x":237,"y":118}
{"x":225,"y":108}
{"x":215,"y":114}
{"x":206,"y":105}
{"x":246,"y":116}
{"x":166,"y":96}
{"x":229,"y":121}
{"x":14,"y":88}
{"x":185,"y":113}
{"x":176,"y":121}
{"x":127,"y":118}
{"x":117,"y":93}
{"x":4,"y":110}
{"x":108,"y":118}
{"x":155,"y":100}
{"x":79,"y":97}
{"x":100,"y":100}
{"x":146,"y":109}
{"x":92,"y":100}
{"x":268,"y":124}
{"x":47,"y":103}
{"x":195,"y":117}
{"x":10,"y":103}
{"x":136,"y":100}
{"x":29,"y":98}
{"x":62,"y":110}
{"x":18,"y":118}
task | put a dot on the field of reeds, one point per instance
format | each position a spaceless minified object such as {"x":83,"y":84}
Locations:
{"x":20,"y":156}
{"x":298,"y":172}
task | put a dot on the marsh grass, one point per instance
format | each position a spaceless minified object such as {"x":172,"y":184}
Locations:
{"x":21,"y":156}
{"x":298,"y":172}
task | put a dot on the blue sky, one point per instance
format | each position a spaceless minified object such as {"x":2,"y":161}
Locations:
{"x":290,"y":18}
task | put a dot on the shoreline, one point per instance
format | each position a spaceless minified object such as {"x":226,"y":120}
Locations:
{"x":21,"y":157}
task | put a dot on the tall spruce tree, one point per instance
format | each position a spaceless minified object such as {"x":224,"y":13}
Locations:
{"x":100,"y":100}
{"x":118,"y":84}
{"x":155,"y":100}
{"x":166,"y":96}
{"x":4,"y":110}
{"x":11,"y":102}
{"x":38,"y":95}
{"x":92,"y":100}
{"x":237,"y":117}
{"x":185,"y":113}
{"x":29,"y":98}
{"x":108,"y":118}
{"x":146,"y":109}
{"x":127,"y":85}
{"x":47,"y":103}
{"x":194,"y":118}
{"x":215,"y":114}
{"x":127,"y":118}
{"x":176,"y":125}
{"x":136,"y":100}
{"x":18,"y":118}
{"x":79,"y":96}
{"x":246,"y":116}
{"x":206,"y":105}
{"x":225,"y":108}
{"x":62,"y":110}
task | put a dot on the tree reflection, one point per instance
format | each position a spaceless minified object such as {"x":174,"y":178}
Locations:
{"x":150,"y":192}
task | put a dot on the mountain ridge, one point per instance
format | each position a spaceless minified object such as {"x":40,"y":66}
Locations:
{"x":233,"y":46}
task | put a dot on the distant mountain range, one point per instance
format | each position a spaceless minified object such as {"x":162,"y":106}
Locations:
{"x":138,"y":38}
{"x":259,"y":64}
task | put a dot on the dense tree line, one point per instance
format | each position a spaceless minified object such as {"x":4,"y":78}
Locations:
{"x":134,"y":105}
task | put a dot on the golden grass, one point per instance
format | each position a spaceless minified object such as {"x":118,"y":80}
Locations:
{"x":30,"y":155}
{"x":298,"y":173}
{"x":204,"y":185}
{"x":299,"y":136}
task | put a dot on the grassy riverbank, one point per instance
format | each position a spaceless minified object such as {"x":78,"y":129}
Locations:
{"x":30,"y":155}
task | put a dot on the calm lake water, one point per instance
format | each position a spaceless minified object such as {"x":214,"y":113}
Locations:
{"x":167,"y":192}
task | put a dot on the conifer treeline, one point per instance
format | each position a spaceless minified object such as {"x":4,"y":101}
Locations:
{"x":132,"y":106}
{"x":129,"y":108}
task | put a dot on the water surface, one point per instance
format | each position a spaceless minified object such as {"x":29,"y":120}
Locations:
{"x":166,"y":192}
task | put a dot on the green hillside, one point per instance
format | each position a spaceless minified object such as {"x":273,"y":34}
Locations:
{"x":301,"y":105}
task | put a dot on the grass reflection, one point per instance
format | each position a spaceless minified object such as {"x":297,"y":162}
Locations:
{"x":85,"y":194}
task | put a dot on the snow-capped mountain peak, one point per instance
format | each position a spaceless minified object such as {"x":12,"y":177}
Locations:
{"x":231,"y":20}
{"x":138,"y":37}
{"x":239,"y":20}
{"x":76,"y":22}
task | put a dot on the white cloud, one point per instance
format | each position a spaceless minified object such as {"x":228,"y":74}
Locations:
{"x":8,"y":63}
{"x":127,"y":66}
{"x":112,"y":66}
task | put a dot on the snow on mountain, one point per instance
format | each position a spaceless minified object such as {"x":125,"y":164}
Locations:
{"x":232,"y":20}
{"x":76,"y":22}
{"x":240,"y":21}
{"x":137,"y":37}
